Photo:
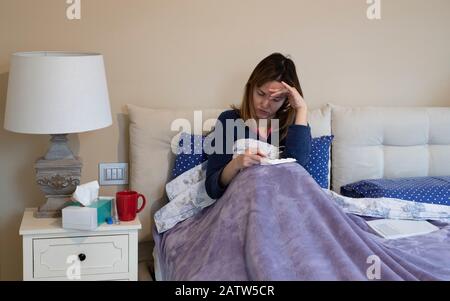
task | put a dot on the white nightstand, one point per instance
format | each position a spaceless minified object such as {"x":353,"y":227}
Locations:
{"x":108,"y":253}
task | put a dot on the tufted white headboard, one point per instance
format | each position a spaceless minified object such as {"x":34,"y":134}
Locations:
{"x":389,"y":142}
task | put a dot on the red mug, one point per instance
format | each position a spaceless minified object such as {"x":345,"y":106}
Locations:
{"x":127,"y":205}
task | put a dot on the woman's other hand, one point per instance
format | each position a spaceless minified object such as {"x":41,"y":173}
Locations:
{"x":296,"y":101}
{"x":249,"y":158}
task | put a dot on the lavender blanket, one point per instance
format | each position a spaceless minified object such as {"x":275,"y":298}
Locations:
{"x":276,"y":223}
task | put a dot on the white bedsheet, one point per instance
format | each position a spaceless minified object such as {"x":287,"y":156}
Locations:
{"x":187,"y":196}
{"x":391,"y":208}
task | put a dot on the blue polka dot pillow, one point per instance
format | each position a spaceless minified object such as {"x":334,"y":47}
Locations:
{"x":318,"y":165}
{"x":189,"y":154}
{"x":433,"y":190}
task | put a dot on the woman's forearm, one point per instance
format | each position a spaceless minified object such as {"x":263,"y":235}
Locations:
{"x":228,"y":173}
{"x":301,"y":116}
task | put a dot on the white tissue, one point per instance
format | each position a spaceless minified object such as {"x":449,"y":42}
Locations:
{"x":272,"y":152}
{"x":86,"y":193}
{"x":265,"y":161}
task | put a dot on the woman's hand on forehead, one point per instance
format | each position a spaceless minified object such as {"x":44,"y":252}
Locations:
{"x":278,"y":92}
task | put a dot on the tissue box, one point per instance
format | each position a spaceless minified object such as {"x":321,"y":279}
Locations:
{"x":78,"y":217}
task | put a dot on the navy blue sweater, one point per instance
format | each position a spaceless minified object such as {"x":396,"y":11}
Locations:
{"x":297,"y":145}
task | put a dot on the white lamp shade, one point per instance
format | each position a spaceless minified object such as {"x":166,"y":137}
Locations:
{"x":57,"y":93}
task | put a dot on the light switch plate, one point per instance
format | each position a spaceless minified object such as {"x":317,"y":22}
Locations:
{"x":113,"y":174}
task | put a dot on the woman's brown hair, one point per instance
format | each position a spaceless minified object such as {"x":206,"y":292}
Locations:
{"x":275,"y":67}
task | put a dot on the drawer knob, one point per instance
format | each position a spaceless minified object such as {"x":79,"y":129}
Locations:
{"x":82,"y":257}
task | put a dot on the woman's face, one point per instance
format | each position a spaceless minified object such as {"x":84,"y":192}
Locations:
{"x":264,"y":105}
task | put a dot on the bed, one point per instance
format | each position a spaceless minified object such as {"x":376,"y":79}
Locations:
{"x":369,"y":142}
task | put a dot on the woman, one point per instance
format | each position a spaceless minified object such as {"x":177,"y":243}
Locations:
{"x":272,"y":92}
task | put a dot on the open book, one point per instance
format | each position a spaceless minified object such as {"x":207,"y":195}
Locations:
{"x":393,"y":228}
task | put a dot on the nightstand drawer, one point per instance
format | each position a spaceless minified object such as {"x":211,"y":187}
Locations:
{"x":52,"y":257}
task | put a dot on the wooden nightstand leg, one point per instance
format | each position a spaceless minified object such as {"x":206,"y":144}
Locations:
{"x":133,"y":255}
{"x":27,"y":258}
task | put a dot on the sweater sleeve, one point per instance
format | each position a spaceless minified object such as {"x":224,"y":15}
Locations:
{"x":217,"y":161}
{"x":298,"y":143}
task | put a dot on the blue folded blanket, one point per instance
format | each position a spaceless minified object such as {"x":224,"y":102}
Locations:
{"x":433,"y":190}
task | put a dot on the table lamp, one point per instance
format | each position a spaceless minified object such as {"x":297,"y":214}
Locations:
{"x":57,"y":93}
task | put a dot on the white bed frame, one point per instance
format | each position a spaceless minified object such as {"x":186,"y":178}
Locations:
{"x":369,"y":142}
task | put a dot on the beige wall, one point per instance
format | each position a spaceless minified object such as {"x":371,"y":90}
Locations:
{"x":199,"y":53}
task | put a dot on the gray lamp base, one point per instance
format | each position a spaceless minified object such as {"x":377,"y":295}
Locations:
{"x":57,"y":175}
{"x":52,"y":208}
